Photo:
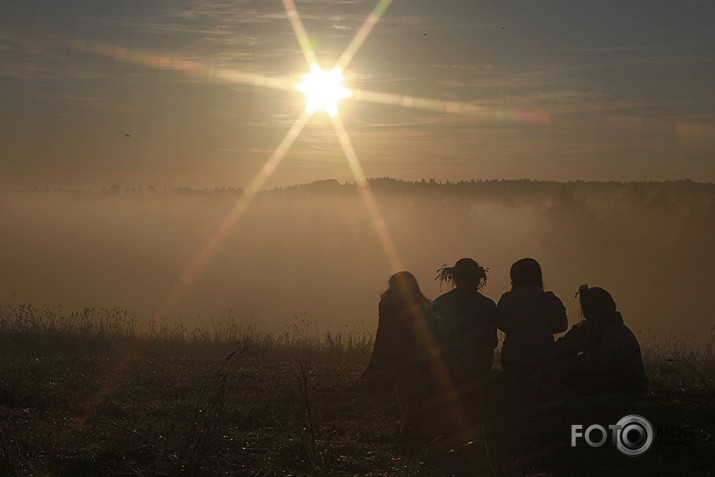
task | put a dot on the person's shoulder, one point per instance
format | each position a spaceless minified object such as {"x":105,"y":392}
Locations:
{"x":575,"y":338}
{"x":551,"y":296}
{"x":438,"y":300}
{"x":447,"y":296}
{"x":520,"y":297}
{"x":620,"y":329}
{"x":486,"y":300}
{"x":506,"y":297}
{"x":578,"y":328}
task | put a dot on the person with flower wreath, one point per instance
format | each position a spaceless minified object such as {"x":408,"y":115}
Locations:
{"x":465,"y":323}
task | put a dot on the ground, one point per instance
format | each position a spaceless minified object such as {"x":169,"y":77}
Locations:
{"x":92,"y":394}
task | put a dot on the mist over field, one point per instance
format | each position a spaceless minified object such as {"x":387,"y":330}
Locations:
{"x":313,"y":252}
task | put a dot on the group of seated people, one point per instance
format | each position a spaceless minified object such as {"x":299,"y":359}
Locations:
{"x":427,"y":347}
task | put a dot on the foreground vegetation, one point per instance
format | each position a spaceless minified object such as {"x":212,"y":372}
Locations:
{"x":95,"y":393}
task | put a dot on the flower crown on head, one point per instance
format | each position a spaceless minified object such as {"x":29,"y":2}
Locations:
{"x":445,"y":274}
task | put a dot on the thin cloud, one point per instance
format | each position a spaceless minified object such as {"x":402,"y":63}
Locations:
{"x":462,"y":67}
{"x":608,"y":49}
{"x":24,"y":70}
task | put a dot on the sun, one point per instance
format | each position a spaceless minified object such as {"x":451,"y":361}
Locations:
{"x":323,"y":89}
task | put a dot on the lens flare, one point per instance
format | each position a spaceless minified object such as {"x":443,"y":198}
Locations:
{"x":323,"y":90}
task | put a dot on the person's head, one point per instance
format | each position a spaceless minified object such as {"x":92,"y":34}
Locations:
{"x":466,"y":273}
{"x":403,"y":286}
{"x":526,"y":271}
{"x":597,"y":305}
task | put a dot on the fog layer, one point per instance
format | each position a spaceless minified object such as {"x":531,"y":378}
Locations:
{"x":314,"y":253}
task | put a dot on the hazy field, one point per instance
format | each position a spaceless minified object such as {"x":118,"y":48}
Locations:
{"x":313,"y":252}
{"x":98,"y":394}
{"x":132,"y":361}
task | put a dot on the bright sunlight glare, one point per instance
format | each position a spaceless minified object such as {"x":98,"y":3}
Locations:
{"x":323,"y":89}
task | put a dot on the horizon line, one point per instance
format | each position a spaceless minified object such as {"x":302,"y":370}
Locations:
{"x":150,"y":188}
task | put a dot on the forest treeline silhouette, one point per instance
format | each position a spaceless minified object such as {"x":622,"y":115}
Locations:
{"x":475,"y":187}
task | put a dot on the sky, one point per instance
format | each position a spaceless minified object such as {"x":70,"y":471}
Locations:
{"x":183,"y":93}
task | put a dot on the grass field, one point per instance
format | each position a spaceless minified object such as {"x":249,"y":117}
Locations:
{"x":94,"y":393}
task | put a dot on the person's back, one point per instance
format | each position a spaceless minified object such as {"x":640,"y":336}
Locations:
{"x":402,"y":345}
{"x":398,"y":344}
{"x":466,"y":324}
{"x":600,"y":355}
{"x":469,"y":336}
{"x":529,"y":316}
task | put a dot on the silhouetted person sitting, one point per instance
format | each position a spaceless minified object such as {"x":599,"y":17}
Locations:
{"x":529,"y":317}
{"x":599,"y":355}
{"x":403,"y":345}
{"x":466,"y":323}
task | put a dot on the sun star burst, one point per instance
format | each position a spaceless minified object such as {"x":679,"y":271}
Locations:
{"x":323,"y":89}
